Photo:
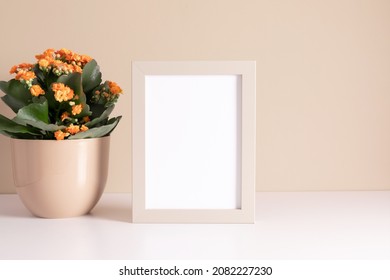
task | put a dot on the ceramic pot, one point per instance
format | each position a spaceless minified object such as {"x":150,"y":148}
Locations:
{"x":60,"y":179}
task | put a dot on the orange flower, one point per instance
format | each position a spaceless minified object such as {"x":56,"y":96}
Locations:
{"x":63,"y":52}
{"x":25,"y":75}
{"x":44,"y":63}
{"x":77,"y":69}
{"x":64,"y":116}
{"x":73,"y":129}
{"x":21,"y":67}
{"x":86,"y":119}
{"x":76,"y":109}
{"x":72,"y":58}
{"x":64,"y":61}
{"x":85,"y":59}
{"x":60,"y":135}
{"x":36,"y":90}
{"x":83,"y":128}
{"x":49,"y":53}
{"x":62,"y":92}
{"x":13,"y":69}
{"x":19,"y":75}
{"x":114,"y":88}
{"x":57,"y":63}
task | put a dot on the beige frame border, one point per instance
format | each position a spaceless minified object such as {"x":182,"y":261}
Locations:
{"x":247,"y":69}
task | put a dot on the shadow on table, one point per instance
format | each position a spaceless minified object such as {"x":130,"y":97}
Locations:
{"x":112,"y":212}
{"x":13,"y":213}
{"x":14,"y":208}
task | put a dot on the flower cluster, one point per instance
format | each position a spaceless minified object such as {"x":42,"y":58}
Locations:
{"x":23,"y":73}
{"x":57,"y":99}
{"x":62,"y":61}
{"x":106,"y":93}
{"x":70,"y":130}
{"x":62,"y":92}
{"x":36,"y":90}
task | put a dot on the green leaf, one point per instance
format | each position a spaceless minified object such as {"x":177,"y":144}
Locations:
{"x":39,"y":73}
{"x":17,"y":90}
{"x":10,"y":126}
{"x":97,"y":110}
{"x":21,"y":135}
{"x":37,"y":115}
{"x":13,"y":103}
{"x":102,"y":117}
{"x":50,"y":78}
{"x":49,"y":94}
{"x":35,"y":112}
{"x":91,"y":76}
{"x":40,"y":125}
{"x":4,"y":86}
{"x":2,"y":132}
{"x":97,"y":131}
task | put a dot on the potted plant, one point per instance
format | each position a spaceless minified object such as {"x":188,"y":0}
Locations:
{"x":60,"y":134}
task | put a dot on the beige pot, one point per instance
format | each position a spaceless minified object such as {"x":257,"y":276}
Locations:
{"x":59,"y":179}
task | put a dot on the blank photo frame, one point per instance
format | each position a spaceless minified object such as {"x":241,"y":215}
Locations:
{"x":194,"y":129}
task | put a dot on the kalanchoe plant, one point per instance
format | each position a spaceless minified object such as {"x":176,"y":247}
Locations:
{"x":61,"y":96}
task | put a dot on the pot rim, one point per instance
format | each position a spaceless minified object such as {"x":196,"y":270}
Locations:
{"x":59,"y":141}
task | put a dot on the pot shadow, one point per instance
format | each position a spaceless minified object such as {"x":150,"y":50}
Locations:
{"x":113,"y":213}
{"x":12,"y":207}
{"x":24,"y":215}
{"x":13,"y":212}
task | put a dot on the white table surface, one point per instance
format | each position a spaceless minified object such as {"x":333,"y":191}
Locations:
{"x":301,"y":225}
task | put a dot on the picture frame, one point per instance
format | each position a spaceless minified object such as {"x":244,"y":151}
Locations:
{"x":193,"y":141}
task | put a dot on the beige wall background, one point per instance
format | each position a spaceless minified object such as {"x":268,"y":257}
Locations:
{"x":323,"y":75}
